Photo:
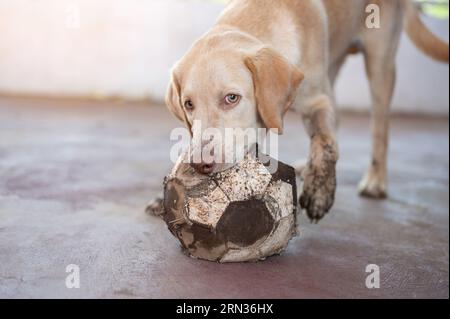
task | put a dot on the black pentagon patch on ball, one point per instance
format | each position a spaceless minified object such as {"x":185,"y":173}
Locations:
{"x":244,"y":223}
{"x":286,"y":173}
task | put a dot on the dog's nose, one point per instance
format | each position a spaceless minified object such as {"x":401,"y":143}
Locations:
{"x":204,"y":168}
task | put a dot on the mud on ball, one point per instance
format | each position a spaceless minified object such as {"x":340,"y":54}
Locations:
{"x":242,"y":214}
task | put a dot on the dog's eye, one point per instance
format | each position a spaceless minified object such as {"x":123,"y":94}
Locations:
{"x":232,"y":99}
{"x":188,"y":105}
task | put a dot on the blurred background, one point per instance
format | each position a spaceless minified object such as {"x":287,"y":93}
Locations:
{"x":124,"y":49}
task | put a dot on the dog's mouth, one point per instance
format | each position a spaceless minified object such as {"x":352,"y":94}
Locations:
{"x":221,"y":165}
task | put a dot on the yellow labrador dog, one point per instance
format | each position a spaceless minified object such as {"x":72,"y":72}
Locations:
{"x":264,"y":57}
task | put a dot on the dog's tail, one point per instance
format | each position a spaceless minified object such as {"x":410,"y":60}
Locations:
{"x":422,"y":37}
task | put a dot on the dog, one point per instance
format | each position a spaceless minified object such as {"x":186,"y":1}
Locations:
{"x":263,"y":57}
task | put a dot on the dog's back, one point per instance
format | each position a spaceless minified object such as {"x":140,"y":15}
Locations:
{"x":346,"y":21}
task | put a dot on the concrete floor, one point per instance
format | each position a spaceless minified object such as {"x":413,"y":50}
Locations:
{"x":75,"y":178}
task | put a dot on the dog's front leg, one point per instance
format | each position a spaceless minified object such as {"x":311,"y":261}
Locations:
{"x":319,"y":175}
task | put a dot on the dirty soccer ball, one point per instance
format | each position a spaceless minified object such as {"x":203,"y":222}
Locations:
{"x":242,"y":214}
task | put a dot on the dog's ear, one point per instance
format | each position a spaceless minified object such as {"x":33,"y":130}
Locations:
{"x":276,"y":81}
{"x":173,"y":100}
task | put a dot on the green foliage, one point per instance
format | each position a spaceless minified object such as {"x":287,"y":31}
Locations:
{"x":435,"y":8}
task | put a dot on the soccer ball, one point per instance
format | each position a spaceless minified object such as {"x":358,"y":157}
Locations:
{"x":245,"y":213}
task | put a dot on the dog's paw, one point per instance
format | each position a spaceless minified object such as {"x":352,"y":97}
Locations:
{"x":319,"y":190}
{"x":155,"y":207}
{"x":373,"y":185}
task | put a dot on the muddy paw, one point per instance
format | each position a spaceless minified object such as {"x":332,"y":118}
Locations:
{"x":155,"y":207}
{"x":318,"y":193}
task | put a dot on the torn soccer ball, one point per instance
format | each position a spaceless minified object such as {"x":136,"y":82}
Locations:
{"x":245,"y":213}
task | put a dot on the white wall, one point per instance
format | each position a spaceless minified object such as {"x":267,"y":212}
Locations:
{"x":122,"y":47}
{"x":126,"y":47}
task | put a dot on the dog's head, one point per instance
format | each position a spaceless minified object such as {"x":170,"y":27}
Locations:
{"x":227,"y":82}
